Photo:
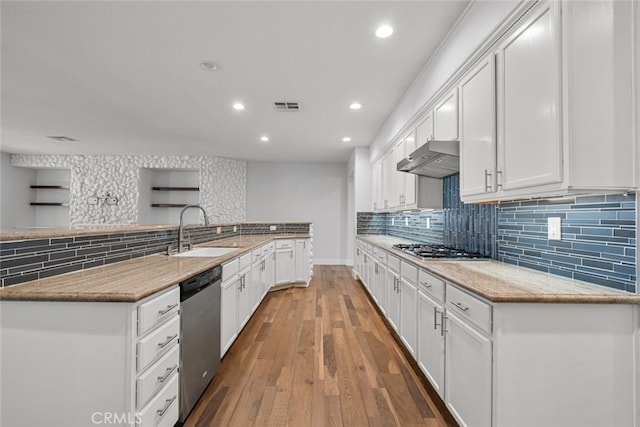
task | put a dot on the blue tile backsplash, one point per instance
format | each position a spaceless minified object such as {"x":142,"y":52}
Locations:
{"x":598,"y":238}
{"x":598,"y":233}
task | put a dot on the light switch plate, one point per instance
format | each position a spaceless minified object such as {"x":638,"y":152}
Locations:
{"x":218,"y":230}
{"x":428,"y":222}
{"x":406,"y":221}
{"x":273,"y":228}
{"x":235,"y":228}
{"x":554,"y":228}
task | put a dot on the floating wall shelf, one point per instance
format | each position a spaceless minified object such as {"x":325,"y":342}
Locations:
{"x":175,"y":188}
{"x":168,"y":205}
{"x":48,"y":204}
{"x":50,"y":187}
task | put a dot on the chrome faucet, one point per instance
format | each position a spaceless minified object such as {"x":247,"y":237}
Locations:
{"x":181,"y":228}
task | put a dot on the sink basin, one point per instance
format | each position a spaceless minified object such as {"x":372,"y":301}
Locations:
{"x":206,"y":252}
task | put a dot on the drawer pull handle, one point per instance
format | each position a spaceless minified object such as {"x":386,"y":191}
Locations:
{"x":166,"y":406}
{"x":169,"y":339}
{"x":168,"y":309}
{"x":167,"y":374}
{"x":460,"y":306}
{"x":426,"y":285}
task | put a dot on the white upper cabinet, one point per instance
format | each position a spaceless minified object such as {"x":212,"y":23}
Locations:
{"x":530,"y":149}
{"x":424,"y":130}
{"x":445,"y":117}
{"x":478,"y":130}
{"x":563,"y":107}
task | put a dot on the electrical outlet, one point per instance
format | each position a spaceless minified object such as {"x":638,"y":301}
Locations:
{"x":218,"y":230}
{"x":235,"y":228}
{"x":92,"y":201}
{"x":111,"y":200}
{"x":428,"y":222}
{"x":393,"y":221}
{"x":273,"y":228}
{"x":554,"y":228}
{"x":406,"y":221}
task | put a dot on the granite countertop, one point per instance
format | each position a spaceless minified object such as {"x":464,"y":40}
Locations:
{"x":501,"y":283}
{"x":135,"y":279}
{"x":52,"y":232}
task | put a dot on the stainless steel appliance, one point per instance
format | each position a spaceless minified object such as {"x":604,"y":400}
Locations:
{"x":435,"y":159}
{"x":438,"y":252}
{"x":199,"y":336}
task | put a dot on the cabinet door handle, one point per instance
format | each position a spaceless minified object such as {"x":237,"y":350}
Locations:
{"x":435,"y":318}
{"x":168,"y":340}
{"x":443,"y":320}
{"x":460,"y":306}
{"x":168,"y":309}
{"x":487,"y":185}
{"x":166,"y":406}
{"x":498,"y":174}
{"x":167,"y":374}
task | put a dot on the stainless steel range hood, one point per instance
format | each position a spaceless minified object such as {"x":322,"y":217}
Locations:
{"x":435,"y":159}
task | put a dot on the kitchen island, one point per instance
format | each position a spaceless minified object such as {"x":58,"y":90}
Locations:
{"x":102,"y":345}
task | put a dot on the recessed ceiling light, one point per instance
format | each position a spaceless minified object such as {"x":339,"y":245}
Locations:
{"x":384,"y":31}
{"x":208,"y":65}
{"x":238,"y":106}
{"x":355,"y":106}
{"x":264,"y":138}
{"x":346,"y":139}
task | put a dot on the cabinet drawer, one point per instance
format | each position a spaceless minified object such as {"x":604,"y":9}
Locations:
{"x":382,"y":256}
{"x":284,"y":244}
{"x":162,"y":411}
{"x":158,"y":310}
{"x":158,"y":342}
{"x":431,"y":285}
{"x":230,"y":268}
{"x":469,"y":307}
{"x":409,"y":272}
{"x":393,"y":262}
{"x":159,"y":374}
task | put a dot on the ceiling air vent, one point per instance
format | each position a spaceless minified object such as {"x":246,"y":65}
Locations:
{"x":287,"y":106}
{"x":63,"y":138}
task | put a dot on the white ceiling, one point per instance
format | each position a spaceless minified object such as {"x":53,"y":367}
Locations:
{"x":123,"y":77}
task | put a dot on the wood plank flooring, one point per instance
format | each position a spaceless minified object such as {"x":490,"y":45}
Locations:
{"x":317,"y":356}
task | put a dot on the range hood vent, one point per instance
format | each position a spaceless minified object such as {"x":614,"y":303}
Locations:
{"x":435,"y":159}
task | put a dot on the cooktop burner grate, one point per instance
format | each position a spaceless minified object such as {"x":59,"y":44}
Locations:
{"x":437,"y":252}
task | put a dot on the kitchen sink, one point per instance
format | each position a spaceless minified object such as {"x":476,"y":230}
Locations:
{"x":205,"y":252}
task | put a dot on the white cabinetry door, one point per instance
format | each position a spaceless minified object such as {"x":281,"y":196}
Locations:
{"x":393,"y":308}
{"x":445,"y":117}
{"x":388,"y":180}
{"x":256,"y":287}
{"x":376,"y":187}
{"x":478,"y":130}
{"x":529,"y":127}
{"x":382,"y":288}
{"x":424,"y":130}
{"x":301,"y":260}
{"x":228,"y":313}
{"x":284,"y":262}
{"x":244,"y":297}
{"x":468,"y":373}
{"x":431,"y":342}
{"x":409,"y":179}
{"x":408,"y":314}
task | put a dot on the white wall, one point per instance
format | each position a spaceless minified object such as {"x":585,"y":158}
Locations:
{"x":472,"y":29}
{"x":15,"y":195}
{"x":315,"y":192}
{"x":360,"y":193}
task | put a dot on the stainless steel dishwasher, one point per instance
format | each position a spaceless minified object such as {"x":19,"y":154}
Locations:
{"x":199,"y":336}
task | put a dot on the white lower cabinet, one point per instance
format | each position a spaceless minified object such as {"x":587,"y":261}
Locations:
{"x":285,"y":267}
{"x":431,"y":341}
{"x":513,"y":364}
{"x":75,"y":364}
{"x":301,"y":261}
{"x":468,"y":372}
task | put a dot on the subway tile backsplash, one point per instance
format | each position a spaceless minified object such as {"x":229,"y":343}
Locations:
{"x":598,"y":233}
{"x":26,"y":260}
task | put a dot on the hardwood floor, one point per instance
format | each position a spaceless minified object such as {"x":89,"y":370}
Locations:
{"x":317,"y":356}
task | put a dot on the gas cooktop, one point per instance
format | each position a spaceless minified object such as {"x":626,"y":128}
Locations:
{"x":438,"y":252}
